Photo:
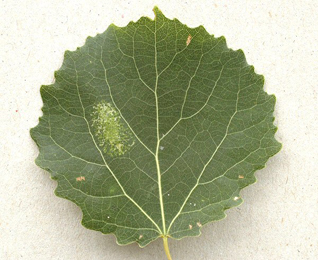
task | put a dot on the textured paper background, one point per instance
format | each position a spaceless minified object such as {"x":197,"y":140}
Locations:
{"x":279,"y":219}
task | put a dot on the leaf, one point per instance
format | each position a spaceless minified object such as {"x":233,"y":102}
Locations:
{"x":154,"y":128}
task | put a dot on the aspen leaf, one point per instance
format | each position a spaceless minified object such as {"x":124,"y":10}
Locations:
{"x":153,"y":129}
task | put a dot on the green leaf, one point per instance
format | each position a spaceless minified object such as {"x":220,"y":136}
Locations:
{"x":154,"y":128}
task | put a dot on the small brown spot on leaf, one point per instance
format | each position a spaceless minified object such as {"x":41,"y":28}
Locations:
{"x":241,"y":177}
{"x":189,"y":39}
{"x":190,"y":227}
{"x":141,"y":236}
{"x":81,"y":178}
{"x":199,"y":224}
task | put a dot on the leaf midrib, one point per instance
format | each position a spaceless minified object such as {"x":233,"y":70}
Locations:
{"x":158,"y":138}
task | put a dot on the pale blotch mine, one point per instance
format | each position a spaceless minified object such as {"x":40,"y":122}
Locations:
{"x":113,"y":136}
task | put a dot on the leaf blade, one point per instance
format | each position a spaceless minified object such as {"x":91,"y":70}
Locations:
{"x":190,"y":123}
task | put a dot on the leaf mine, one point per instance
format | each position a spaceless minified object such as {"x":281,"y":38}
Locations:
{"x":112,"y":135}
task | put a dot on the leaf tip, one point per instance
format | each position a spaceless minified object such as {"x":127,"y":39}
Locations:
{"x":157,"y":11}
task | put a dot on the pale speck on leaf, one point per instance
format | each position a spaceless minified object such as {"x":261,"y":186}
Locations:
{"x":81,"y":178}
{"x":189,"y":39}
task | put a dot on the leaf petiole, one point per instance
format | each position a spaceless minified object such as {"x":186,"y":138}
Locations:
{"x":166,"y":247}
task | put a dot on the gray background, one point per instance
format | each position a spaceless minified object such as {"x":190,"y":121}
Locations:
{"x":279,"y":219}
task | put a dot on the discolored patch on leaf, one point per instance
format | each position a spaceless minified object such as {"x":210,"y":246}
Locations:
{"x":189,"y":40}
{"x":81,"y":178}
{"x":114,"y":138}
